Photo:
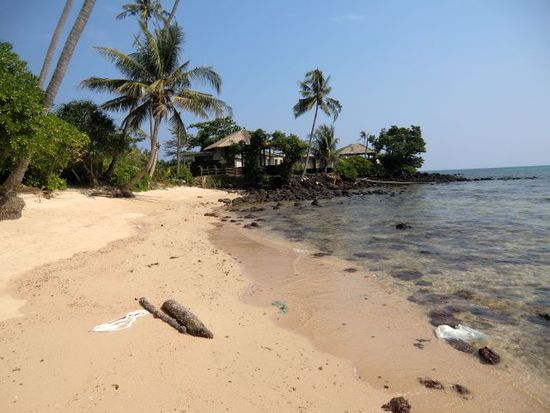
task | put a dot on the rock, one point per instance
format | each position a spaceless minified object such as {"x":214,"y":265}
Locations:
{"x":226,"y":201}
{"x":461,"y":345}
{"x":431,"y":384}
{"x":350,"y":270}
{"x":407,"y":275}
{"x":545,"y":316}
{"x":397,"y":405}
{"x":423,"y":283}
{"x":488,"y":356}
{"x":439,"y":317}
{"x":320,"y":254}
{"x":315,"y":202}
{"x":402,"y":226}
{"x":461,"y":390}
{"x":211,"y":214}
{"x":11,"y":207}
{"x":465,"y":294}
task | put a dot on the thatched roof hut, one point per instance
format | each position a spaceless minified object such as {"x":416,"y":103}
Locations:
{"x":229,"y":140}
{"x":355,"y":149}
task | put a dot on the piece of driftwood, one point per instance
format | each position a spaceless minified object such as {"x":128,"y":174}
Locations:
{"x":159,"y":314}
{"x":186,"y":318}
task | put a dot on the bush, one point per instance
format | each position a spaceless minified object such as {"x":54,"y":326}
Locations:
{"x":129,"y":166}
{"x":346,"y":170}
{"x":185,"y":175}
{"x":355,"y":167}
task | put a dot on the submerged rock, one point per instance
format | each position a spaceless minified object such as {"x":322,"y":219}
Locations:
{"x":350,"y":270}
{"x":407,"y":275}
{"x":431,"y":384}
{"x":402,"y":226}
{"x":440,"y":317}
{"x":461,"y":390}
{"x":460,"y":345}
{"x":397,"y":405}
{"x":488,"y":356}
{"x":465,"y":294}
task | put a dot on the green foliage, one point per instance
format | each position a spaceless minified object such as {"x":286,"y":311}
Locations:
{"x":105,"y":142}
{"x":325,"y":145}
{"x":314,"y":90}
{"x":185,"y":175}
{"x":355,"y":167}
{"x":400,"y":149}
{"x":293,"y":149}
{"x":21,"y":113}
{"x":128,"y":166}
{"x":346,"y":170}
{"x":209,"y":181}
{"x":58,"y":144}
{"x":212,"y":131}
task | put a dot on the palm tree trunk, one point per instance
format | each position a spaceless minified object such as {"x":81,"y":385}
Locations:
{"x":125,"y":189}
{"x":178,"y":155}
{"x":172,"y":14}
{"x":66,"y":54}
{"x":11,"y":184}
{"x":53,"y":42}
{"x":310,"y":138}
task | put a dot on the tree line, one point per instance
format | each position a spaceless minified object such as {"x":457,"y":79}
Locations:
{"x":80,"y":143}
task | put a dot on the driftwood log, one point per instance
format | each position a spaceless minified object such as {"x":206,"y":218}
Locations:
{"x":186,"y":318}
{"x":159,"y":314}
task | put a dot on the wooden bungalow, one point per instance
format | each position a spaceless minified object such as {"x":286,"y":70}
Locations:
{"x":356,"y":149}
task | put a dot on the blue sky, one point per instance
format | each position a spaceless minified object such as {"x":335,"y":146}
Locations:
{"x":475,"y":75}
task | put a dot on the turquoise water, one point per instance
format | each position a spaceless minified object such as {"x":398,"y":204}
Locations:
{"x":491,"y":238}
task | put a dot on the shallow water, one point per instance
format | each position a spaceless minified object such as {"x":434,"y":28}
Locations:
{"x":489,"y":241}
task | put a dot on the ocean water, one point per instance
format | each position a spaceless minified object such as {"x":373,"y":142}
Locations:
{"x":488,"y":240}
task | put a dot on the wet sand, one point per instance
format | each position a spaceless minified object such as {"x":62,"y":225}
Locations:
{"x":355,"y":316}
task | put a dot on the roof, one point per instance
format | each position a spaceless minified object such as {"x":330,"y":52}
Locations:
{"x":234,"y":138}
{"x":354,"y":149}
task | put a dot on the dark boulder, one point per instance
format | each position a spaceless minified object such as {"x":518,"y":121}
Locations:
{"x":402,"y":226}
{"x":11,"y":207}
{"x":488,"y":356}
{"x":397,"y":405}
{"x":440,"y":317}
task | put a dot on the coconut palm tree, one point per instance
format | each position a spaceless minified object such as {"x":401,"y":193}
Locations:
{"x":67,"y":52}
{"x":172,"y":13}
{"x":366,"y":138}
{"x":144,"y":10}
{"x":157,"y":84}
{"x":53,"y":42}
{"x":325,"y":145}
{"x":314,"y":91}
{"x":12,"y":183}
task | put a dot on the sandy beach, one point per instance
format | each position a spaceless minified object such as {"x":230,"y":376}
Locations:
{"x":76,"y":261}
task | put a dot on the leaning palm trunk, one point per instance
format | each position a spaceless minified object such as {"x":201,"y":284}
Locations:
{"x":310,"y":138}
{"x":11,"y":184}
{"x":16,"y":176}
{"x":126,"y":188}
{"x":53,"y":42}
{"x":172,"y":14}
{"x":66,"y":54}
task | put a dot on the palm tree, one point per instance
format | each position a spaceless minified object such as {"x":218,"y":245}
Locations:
{"x":325,"y":145}
{"x":314,"y":91}
{"x":172,"y":13}
{"x":67,"y":52}
{"x":365,"y":137}
{"x":144,"y":10}
{"x":157,"y":84}
{"x":53,"y":42}
{"x":11,"y":184}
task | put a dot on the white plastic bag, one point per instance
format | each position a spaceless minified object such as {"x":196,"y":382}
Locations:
{"x":459,"y":333}
{"x":121,"y":323}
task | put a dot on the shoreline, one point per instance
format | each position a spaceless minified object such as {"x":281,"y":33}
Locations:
{"x":312,"y":286}
{"x":51,"y":362}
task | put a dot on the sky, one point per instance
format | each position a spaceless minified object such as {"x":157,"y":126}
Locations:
{"x":475,"y":75}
